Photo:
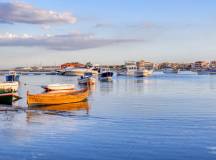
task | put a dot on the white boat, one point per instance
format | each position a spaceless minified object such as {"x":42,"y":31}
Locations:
{"x":12,"y":86}
{"x":203,"y":72}
{"x":87,"y":79}
{"x":143,"y":73}
{"x":55,"y":87}
{"x":170,"y":70}
{"x":128,"y":70}
{"x":212,"y":71}
{"x":77,"y":71}
{"x":105,"y":75}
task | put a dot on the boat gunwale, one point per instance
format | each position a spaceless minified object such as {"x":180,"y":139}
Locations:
{"x":73,"y":92}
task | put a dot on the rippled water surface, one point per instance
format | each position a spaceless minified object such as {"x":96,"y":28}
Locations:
{"x":163,"y":117}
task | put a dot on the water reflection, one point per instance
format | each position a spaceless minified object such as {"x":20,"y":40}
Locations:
{"x":131,"y":118}
{"x":106,"y":87}
{"x":62,"y":109}
{"x":212,"y":84}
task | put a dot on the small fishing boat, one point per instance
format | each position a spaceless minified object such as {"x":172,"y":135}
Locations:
{"x":12,"y":76}
{"x":13,"y":86}
{"x":87,"y":79}
{"x":105,"y":75}
{"x":57,"y":98}
{"x":55,"y":87}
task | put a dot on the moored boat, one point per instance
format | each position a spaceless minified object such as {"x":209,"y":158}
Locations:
{"x":212,"y":71}
{"x":55,"y":87}
{"x":57,"y":98}
{"x":129,"y":69}
{"x":143,"y":73}
{"x":13,"y":86}
{"x":12,"y":76}
{"x":87,"y":79}
{"x":105,"y":75}
{"x":170,"y":70}
{"x":7,"y":97}
{"x":203,"y":72}
{"x":77,"y":71}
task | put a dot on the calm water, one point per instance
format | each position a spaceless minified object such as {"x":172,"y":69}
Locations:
{"x":164,"y":117}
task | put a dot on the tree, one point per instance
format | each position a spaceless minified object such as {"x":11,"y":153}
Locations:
{"x":89,"y":65}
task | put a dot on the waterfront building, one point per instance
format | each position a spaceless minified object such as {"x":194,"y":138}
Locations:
{"x":72,"y":65}
{"x":145,"y":65}
{"x":212,"y":65}
{"x":51,"y":68}
{"x":200,"y":65}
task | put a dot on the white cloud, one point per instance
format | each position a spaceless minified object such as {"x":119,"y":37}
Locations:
{"x":19,"y":12}
{"x":71,"y":41}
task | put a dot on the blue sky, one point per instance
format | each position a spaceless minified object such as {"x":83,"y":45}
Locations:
{"x":39,"y":32}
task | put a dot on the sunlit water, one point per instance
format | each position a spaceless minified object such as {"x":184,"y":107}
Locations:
{"x":163,"y":117}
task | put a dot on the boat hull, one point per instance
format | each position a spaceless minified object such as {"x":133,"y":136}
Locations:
{"x":106,"y":76}
{"x":58,"y":98}
{"x":6,"y":99}
{"x":203,"y":72}
{"x":87,"y":81}
{"x":78,"y":72}
{"x":143,"y":73}
{"x":212,"y":71}
{"x":106,"y":79}
{"x":170,"y":71}
{"x":124,"y":73}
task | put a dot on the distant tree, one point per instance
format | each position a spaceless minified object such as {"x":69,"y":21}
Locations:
{"x":89,"y":65}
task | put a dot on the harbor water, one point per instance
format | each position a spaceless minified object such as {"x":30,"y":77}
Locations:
{"x":163,"y":117}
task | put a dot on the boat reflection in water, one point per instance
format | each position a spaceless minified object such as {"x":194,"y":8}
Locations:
{"x":61,"y":109}
{"x":106,"y":87}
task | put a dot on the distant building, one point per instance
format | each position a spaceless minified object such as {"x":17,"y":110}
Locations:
{"x":36,"y":68}
{"x":199,"y":65}
{"x":184,"y":66}
{"x":144,"y":64}
{"x":73,"y":65}
{"x":212,"y":65}
{"x":128,"y":63}
{"x":23,"y":69}
{"x":51,"y":68}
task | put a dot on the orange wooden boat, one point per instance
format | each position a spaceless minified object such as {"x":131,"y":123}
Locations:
{"x":57,"y":98}
{"x":63,"y":107}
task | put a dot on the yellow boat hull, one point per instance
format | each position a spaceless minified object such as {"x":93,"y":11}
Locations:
{"x":58,"y":98}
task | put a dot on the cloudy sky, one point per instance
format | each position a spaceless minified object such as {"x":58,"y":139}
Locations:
{"x":48,"y":32}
